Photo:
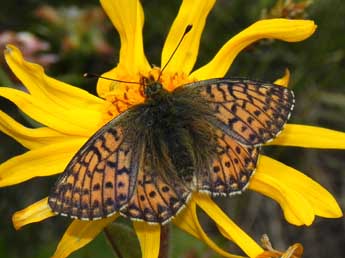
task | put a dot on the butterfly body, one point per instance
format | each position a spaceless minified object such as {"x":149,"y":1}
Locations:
{"x":180,"y":131}
{"x":145,"y":163}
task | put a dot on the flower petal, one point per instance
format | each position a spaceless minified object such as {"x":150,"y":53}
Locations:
{"x":29,"y":137}
{"x":283,"y":29}
{"x":74,"y":121}
{"x":192,"y":12}
{"x":310,"y":137}
{"x":44,"y":87}
{"x":228,"y":228}
{"x":300,"y":197}
{"x":128,"y":18}
{"x":284,"y":81}
{"x":79,"y":234}
{"x":34,"y":213}
{"x":321,"y":200}
{"x":296,"y":208}
{"x":149,"y":238}
{"x":294,"y":251}
{"x":116,"y":93}
{"x":185,"y":220}
{"x":188,"y":221}
{"x":44,"y":161}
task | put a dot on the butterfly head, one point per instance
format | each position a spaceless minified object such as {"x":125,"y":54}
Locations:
{"x":153,"y":89}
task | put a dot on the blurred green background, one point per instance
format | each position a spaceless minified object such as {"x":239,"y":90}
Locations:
{"x":70,"y":38}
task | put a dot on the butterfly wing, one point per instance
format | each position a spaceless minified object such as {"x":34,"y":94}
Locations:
{"x":100,"y":179}
{"x":245,"y":114}
{"x":112,"y":173}
{"x":231,"y":168}
{"x":158,"y":196}
{"x":251,"y":112}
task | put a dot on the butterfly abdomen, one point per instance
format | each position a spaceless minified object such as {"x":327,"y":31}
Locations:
{"x":180,"y":150}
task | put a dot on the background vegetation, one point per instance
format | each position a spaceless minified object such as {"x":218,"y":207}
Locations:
{"x":72,"y":37}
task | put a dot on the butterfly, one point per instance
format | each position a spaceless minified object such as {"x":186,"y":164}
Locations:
{"x":145,"y":163}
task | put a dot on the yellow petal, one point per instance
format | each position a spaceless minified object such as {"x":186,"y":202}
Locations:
{"x":188,"y":221}
{"x":283,"y":29}
{"x":320,"y":199}
{"x":29,"y":137}
{"x":128,"y":18}
{"x":294,"y":251}
{"x":297,"y":210}
{"x":79,"y":234}
{"x":192,"y":12}
{"x":44,"y":161}
{"x":310,"y":137}
{"x":149,"y":238}
{"x":34,"y":213}
{"x":300,"y":197}
{"x":76,"y":121}
{"x":185,"y":220}
{"x":284,"y":81}
{"x":44,"y":87}
{"x":228,"y":227}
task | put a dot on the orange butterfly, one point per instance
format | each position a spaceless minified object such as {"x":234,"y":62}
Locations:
{"x":145,"y":163}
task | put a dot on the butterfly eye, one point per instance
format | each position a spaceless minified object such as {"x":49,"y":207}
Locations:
{"x":149,"y":122}
{"x":156,"y":87}
{"x":153,"y":89}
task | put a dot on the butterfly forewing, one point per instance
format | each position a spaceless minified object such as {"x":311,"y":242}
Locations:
{"x":99,"y":179}
{"x":251,"y":112}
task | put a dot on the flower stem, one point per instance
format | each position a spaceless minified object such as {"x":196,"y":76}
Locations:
{"x":164,"y":242}
{"x":120,"y":237}
{"x":112,"y":243}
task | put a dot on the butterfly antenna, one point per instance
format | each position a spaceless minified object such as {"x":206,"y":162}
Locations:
{"x":188,"y":28}
{"x":94,"y":75}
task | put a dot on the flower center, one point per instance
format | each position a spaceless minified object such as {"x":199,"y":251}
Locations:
{"x":122,"y":96}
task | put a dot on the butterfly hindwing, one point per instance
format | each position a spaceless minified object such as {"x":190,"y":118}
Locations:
{"x":231,"y":168}
{"x":99,"y":179}
{"x":112,"y":173}
{"x":251,"y":112}
{"x":156,"y":199}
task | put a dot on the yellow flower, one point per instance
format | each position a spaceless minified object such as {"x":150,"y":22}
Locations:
{"x":70,"y":116}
